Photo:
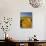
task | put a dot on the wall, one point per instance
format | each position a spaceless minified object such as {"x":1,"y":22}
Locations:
{"x":12,"y":8}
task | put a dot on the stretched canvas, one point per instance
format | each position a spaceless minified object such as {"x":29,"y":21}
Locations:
{"x":26,"y":19}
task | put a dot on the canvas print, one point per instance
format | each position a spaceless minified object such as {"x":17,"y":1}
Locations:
{"x":26,"y":19}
